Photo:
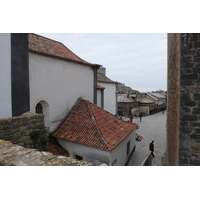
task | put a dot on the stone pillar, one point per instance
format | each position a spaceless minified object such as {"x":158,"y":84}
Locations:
{"x":19,"y":74}
{"x":189,"y":148}
{"x":173,"y":92}
{"x":183,"y":117}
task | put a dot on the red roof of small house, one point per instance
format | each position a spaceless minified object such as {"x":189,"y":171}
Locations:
{"x":45,"y":46}
{"x":90,"y":125}
{"x":56,"y":149}
{"x":100,"y":87}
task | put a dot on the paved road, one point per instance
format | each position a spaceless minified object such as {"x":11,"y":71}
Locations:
{"x":152,"y":127}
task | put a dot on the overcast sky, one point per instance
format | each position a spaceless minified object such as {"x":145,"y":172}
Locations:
{"x":137,"y":60}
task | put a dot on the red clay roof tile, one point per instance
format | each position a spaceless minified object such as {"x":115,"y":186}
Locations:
{"x":90,"y":125}
{"x":41,"y":45}
{"x":56,"y":149}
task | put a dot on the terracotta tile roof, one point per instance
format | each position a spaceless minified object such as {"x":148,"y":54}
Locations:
{"x":41,"y":45}
{"x":103,"y":78}
{"x":100,"y":87}
{"x":92,"y":126}
{"x":56,"y":149}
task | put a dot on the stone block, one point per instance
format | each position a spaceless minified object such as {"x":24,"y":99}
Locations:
{"x":196,"y":96}
{"x":195,"y":136}
{"x":185,"y":83}
{"x":183,"y":161}
{"x":188,"y":103}
{"x":196,"y":44}
{"x":194,"y":162}
{"x":185,"y":96}
{"x":196,"y":59}
{"x":188,"y":118}
{"x":189,"y":77}
{"x":195,"y":124}
{"x":196,"y":111}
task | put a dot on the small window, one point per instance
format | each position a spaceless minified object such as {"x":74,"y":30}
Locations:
{"x":39,"y":109}
{"x":78,"y":157}
{"x":120,"y":109}
{"x":128,"y":147}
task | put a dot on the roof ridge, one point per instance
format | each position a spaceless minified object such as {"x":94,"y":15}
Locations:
{"x":94,"y":121}
{"x":79,"y":59}
{"x":46,"y":38}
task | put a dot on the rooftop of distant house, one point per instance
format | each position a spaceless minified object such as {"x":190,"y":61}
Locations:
{"x":45,"y":46}
{"x":101,"y":76}
{"x":123,"y":98}
{"x":90,"y":125}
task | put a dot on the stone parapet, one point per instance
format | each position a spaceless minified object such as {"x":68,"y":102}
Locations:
{"x":19,"y":130}
{"x":15,"y":155}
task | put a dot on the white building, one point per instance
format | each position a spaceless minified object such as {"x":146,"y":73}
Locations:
{"x":162,"y":99}
{"x":42,"y":75}
{"x":109,"y":97}
{"x":92,"y":134}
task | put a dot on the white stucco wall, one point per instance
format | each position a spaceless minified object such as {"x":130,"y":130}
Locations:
{"x":59,"y":83}
{"x":109,"y":97}
{"x":144,"y":109}
{"x":5,"y":75}
{"x":91,"y":154}
{"x":120,"y":152}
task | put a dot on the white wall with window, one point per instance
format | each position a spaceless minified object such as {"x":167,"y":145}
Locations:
{"x":117,"y":156}
{"x":42,"y":107}
{"x":110,"y":98}
{"x":59,"y":83}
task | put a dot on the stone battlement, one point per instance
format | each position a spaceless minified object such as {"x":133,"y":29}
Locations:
{"x":15,"y":155}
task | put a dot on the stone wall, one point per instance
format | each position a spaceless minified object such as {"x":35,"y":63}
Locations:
{"x":189,"y":148}
{"x":173,"y":92}
{"x":183,"y":118}
{"x":15,"y":155}
{"x":27,"y":130}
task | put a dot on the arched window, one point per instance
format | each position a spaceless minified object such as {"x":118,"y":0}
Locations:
{"x":39,"y":109}
{"x":42,"y":107}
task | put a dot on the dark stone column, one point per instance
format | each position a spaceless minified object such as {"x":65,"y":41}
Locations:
{"x":189,"y":148}
{"x":19,"y":74}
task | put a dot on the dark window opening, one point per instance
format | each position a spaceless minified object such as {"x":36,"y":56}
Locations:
{"x":39,"y":109}
{"x":78,"y":157}
{"x":128,"y":147}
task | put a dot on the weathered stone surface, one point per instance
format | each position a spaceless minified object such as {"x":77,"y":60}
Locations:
{"x":18,"y":129}
{"x":188,"y":117}
{"x":15,"y":155}
{"x":183,"y":121}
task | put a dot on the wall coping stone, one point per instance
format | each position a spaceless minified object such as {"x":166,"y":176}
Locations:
{"x":15,"y":155}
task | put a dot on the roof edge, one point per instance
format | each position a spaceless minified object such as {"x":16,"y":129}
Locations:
{"x":60,"y":57}
{"x":67,"y":59}
{"x":94,"y":121}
